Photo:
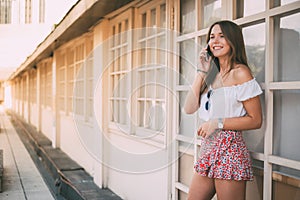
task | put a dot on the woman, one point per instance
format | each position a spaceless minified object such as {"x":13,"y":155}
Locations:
{"x":226,"y":96}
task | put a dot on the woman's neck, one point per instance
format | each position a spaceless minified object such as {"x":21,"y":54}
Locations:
{"x":224,"y":65}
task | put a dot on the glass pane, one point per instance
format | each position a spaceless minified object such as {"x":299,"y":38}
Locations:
{"x":158,"y":117}
{"x":212,"y":12}
{"x":153,"y":18}
{"x":251,"y":7}
{"x":161,"y":85}
{"x":188,"y":16}
{"x":145,"y":114}
{"x":286,"y":171}
{"x":162,"y":50}
{"x":142,"y":58}
{"x":163,"y":16}
{"x":185,"y":168}
{"x":115,"y":111}
{"x":152,"y":50}
{"x":286,"y":124}
{"x":187,"y":62}
{"x":143,"y":25}
{"x":285,"y":183}
{"x":255,"y":49}
{"x":255,"y":138}
{"x":150,"y":84}
{"x":287,"y":41}
{"x":141,"y":84}
{"x":123,"y":113}
{"x":187,"y":123}
{"x":283,"y":2}
{"x":122,"y":84}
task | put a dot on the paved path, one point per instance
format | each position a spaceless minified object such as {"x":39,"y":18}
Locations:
{"x":22,"y":180}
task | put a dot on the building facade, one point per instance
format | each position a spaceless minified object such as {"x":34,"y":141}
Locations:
{"x":24,"y":24}
{"x":107,"y":86}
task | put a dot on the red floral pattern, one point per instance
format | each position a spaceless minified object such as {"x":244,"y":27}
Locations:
{"x":228,"y":158}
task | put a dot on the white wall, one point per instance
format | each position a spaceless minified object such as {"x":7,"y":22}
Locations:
{"x":47,"y":122}
{"x":77,"y":144}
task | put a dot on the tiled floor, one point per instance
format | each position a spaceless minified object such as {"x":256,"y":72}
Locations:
{"x":21,"y":178}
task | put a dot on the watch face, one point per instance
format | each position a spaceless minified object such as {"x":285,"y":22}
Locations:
{"x":220,"y":124}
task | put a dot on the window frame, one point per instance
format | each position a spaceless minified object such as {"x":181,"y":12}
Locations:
{"x":269,"y":85}
{"x":146,"y":38}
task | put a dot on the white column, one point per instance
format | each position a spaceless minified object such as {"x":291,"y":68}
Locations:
{"x":55,"y":136}
{"x":38,"y":98}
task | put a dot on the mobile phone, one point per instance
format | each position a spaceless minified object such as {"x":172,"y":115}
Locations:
{"x":209,"y":53}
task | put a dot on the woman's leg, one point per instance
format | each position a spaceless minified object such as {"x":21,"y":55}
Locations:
{"x":201,"y":188}
{"x":230,"y":189}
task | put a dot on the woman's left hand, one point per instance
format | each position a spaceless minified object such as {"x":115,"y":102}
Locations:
{"x":207,"y":128}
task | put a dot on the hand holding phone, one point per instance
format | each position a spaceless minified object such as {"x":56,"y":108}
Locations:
{"x":205,"y":59}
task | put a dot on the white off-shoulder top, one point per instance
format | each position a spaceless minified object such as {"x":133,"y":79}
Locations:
{"x":226,"y":102}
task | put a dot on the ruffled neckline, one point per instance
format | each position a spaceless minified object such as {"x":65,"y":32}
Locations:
{"x":234,"y":86}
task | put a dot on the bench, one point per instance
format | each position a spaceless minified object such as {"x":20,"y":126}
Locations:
{"x":1,"y":168}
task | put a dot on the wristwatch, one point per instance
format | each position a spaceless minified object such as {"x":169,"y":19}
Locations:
{"x":220,"y":123}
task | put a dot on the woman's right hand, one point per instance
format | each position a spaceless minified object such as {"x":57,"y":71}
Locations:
{"x":204,"y":61}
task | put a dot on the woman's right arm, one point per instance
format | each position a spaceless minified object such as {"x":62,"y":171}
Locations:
{"x":192,"y":101}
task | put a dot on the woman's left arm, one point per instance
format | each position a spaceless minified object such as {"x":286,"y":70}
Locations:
{"x":253,"y":119}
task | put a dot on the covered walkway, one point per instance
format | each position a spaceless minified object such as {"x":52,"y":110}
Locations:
{"x":21,"y":178}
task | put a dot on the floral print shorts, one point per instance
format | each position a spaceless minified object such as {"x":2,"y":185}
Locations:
{"x":224,"y":155}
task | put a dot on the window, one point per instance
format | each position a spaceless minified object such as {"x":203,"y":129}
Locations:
{"x":24,"y":92}
{"x":41,"y":11}
{"x":61,"y":80}
{"x":32,"y":86}
{"x":119,"y":70}
{"x":78,"y":95}
{"x":211,"y":12}
{"x":255,"y":50}
{"x":70,"y":79}
{"x":287,"y":92}
{"x":5,"y":11}
{"x":80,"y":78}
{"x":43,"y":85}
{"x":89,"y":79}
{"x":151,"y":71}
{"x":187,"y":74}
{"x":137,"y":79}
{"x":187,"y":16}
{"x":48,"y":83}
{"x":28,"y":11}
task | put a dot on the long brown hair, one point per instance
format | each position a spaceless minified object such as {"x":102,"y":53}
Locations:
{"x":237,"y":55}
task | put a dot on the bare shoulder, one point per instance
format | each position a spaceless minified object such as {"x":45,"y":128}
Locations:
{"x":241,"y":74}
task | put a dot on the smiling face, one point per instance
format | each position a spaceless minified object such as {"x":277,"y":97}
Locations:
{"x":217,"y":42}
